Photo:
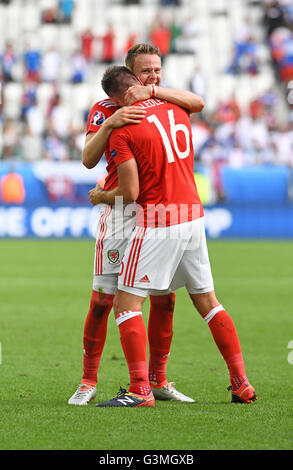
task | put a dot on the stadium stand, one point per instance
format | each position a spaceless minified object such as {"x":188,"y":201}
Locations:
{"x":238,"y":54}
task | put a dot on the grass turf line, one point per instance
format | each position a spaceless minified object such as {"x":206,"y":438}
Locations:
{"x":45,"y":289}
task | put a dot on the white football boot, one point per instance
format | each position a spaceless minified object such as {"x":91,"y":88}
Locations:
{"x":83,"y":395}
{"x":169,"y":392}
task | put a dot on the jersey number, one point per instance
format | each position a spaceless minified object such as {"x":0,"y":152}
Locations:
{"x":174,"y":128}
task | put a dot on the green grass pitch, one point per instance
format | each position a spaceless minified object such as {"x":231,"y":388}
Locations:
{"x":44,"y":297}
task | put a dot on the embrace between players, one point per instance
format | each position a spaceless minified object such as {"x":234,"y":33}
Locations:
{"x":154,"y":241}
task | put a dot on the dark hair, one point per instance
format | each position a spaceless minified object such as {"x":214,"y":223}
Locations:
{"x":116,"y":80}
{"x":140,"y":49}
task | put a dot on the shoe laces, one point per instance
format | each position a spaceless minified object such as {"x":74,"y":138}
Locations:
{"x":170,"y":386}
{"x":122,"y":391}
{"x":82,"y":389}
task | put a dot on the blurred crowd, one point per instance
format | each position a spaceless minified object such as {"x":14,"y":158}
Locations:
{"x":230,"y":137}
{"x":227,"y":135}
{"x":36,"y":134}
{"x":278,"y":24}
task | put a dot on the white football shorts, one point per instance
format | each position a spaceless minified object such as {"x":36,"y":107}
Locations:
{"x":113,"y":233}
{"x":165,"y":259}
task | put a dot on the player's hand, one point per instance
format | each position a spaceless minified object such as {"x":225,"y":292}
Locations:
{"x":137,"y":93}
{"x":95,"y":195}
{"x":127,"y":115}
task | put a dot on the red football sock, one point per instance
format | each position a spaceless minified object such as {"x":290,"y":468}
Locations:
{"x":94,"y":337}
{"x":160,"y":333}
{"x":226,"y":338}
{"x":134,"y":344}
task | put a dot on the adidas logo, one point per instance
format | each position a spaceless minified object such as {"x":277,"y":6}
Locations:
{"x":144,"y":279}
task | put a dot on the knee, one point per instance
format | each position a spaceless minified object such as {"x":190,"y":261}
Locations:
{"x":100,"y":303}
{"x":204,"y":302}
{"x":164,"y":302}
{"x":116,"y":305}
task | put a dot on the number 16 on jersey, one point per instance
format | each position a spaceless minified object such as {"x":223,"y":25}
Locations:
{"x":174,"y":128}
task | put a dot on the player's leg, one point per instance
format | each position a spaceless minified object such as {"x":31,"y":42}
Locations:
{"x":195,"y":267}
{"x":106,"y":267}
{"x":94,"y":337}
{"x":224,"y":333}
{"x":226,"y":338}
{"x":133,"y":337}
{"x":160,"y":333}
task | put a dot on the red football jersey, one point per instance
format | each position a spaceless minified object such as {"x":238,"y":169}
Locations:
{"x":162,"y":147}
{"x":97,"y":115}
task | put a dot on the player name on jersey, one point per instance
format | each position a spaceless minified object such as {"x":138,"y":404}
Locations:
{"x":151,"y":103}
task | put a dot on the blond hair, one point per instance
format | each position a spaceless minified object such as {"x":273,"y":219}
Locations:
{"x":137,"y":50}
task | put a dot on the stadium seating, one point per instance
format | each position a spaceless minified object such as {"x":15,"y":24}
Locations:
{"x":216,"y":22}
{"x":211,"y":28}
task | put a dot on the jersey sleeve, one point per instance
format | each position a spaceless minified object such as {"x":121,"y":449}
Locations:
{"x":95,"y":119}
{"x":120,"y":148}
{"x":99,"y":113}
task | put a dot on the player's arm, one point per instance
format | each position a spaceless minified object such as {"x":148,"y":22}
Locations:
{"x":186,"y":99}
{"x":96,"y":142}
{"x":128,"y":186}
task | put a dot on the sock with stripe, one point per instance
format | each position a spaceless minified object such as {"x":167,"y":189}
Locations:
{"x":133,"y":339}
{"x":94,"y":337}
{"x":225,"y":335}
{"x":160,"y":333}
